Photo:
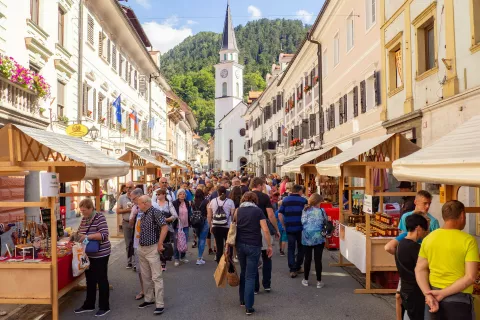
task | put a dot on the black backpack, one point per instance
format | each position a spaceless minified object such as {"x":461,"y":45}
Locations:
{"x":328,"y":226}
{"x":197,"y":219}
{"x":220,"y":216}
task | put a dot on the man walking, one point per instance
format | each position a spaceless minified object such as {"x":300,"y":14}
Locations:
{"x":290,"y":214}
{"x":153,"y":230}
{"x":111,"y":192}
{"x":244,"y":184}
{"x":447,"y":267}
{"x":124,"y":208}
{"x":164,"y":186}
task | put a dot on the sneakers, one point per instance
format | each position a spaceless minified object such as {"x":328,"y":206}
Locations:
{"x":177,"y":263}
{"x":293,"y":275}
{"x":101,"y":313}
{"x":164,"y":267}
{"x":300,"y":271}
{"x":305,"y":283}
{"x":249,"y":312}
{"x":282,"y":253}
{"x":129,"y":266}
{"x":158,"y":310}
{"x":235,"y":260}
{"x":242,"y":304}
{"x":145,"y":304}
{"x":255,"y":293}
{"x":183,"y":260}
{"x":268,"y":290}
{"x":320,"y":284}
{"x":200,"y":262}
{"x":83,"y":310}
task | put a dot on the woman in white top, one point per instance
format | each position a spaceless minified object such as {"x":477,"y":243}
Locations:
{"x":219,"y":211}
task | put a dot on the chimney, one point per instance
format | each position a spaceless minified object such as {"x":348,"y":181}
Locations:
{"x":156,"y":57}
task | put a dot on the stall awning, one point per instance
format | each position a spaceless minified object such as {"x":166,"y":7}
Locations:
{"x":295,"y":165}
{"x":45,"y":146}
{"x":452,"y":159}
{"x":150,"y":159}
{"x":175,"y":163}
{"x":331,"y":167}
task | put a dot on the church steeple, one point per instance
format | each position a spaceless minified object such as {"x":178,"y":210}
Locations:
{"x":229,"y":42}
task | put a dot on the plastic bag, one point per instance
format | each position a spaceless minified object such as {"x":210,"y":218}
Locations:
{"x":80,"y":261}
{"x":181,"y":241}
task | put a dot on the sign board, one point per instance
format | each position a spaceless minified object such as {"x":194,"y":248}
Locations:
{"x":49,"y":184}
{"x":443,"y":197}
{"x":368,"y":204}
{"x":77,"y":130}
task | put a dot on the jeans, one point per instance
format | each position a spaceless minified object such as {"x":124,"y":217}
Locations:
{"x":309,"y":251}
{"x":266,"y":273}
{"x":248,"y":257}
{"x":177,"y":255}
{"x":128,"y":236}
{"x":202,"y":238}
{"x":220,"y":234}
{"x":295,"y":241}
{"x":97,"y":274}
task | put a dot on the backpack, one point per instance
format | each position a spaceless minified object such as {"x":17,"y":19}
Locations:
{"x":220,"y":216}
{"x":197,"y":220}
{"x":327,"y":226}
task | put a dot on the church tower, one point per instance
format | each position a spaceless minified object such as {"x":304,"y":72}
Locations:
{"x":228,"y":73}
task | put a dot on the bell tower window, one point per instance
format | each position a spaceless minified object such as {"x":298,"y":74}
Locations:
{"x":224,"y":89}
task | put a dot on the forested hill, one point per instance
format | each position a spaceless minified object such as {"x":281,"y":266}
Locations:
{"x":189,"y":66}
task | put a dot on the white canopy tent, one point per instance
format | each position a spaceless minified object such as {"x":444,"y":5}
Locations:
{"x":296,"y":165}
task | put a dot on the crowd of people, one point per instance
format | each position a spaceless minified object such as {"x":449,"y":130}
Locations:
{"x":437,"y":271}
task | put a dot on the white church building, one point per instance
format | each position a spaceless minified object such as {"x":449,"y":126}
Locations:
{"x":229,"y":107}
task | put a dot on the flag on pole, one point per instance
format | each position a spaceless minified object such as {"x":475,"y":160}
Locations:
{"x":284,"y":131}
{"x":151,"y":123}
{"x":117,"y":104}
{"x":133,"y":116}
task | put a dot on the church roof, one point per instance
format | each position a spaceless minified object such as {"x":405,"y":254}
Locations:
{"x":229,"y":42}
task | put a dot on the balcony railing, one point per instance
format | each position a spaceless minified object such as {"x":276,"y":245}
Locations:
{"x":269,"y":146}
{"x":18,"y":98}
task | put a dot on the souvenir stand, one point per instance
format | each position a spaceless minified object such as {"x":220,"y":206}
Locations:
{"x":27,"y":149}
{"x":177,"y":171}
{"x":304,"y":169}
{"x":368,"y":159}
{"x":147,"y":166}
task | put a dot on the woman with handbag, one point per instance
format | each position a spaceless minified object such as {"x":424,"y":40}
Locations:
{"x":168,"y":210}
{"x":94,"y":230}
{"x":314,"y":220}
{"x":200,"y":223}
{"x":250,"y":223}
{"x":181,"y":225}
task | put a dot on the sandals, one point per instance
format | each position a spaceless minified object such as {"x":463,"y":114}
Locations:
{"x":139,"y":296}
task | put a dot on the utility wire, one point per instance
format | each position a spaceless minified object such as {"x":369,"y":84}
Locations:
{"x":223,"y":17}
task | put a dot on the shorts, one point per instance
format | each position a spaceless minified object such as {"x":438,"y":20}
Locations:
{"x":283,"y":236}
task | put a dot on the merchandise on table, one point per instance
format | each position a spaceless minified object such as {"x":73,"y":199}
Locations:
{"x":383,"y":226}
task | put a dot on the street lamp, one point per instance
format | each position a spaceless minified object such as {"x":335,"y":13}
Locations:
{"x":312,"y":144}
{"x":93,"y":133}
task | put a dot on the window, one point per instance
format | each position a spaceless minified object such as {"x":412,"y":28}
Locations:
{"x":114,"y":57}
{"x":336,"y":50}
{"x":238,"y":90}
{"x":395,"y":65}
{"x":60,"y":99}
{"x":135,"y":80}
{"x":120,"y":65}
{"x":370,"y":13}
{"x":475,"y":24}
{"x":90,"y":30}
{"x":325,"y":63}
{"x":231,"y":150}
{"x":426,"y":41}
{"x":224,"y":89}
{"x":350,"y":32}
{"x":34,"y":11}
{"x":61,"y":27}
{"x":102,"y":45}
{"x":225,"y":57}
{"x":109,"y":46}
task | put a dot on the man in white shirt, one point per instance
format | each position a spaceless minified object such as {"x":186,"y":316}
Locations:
{"x":164,"y":185}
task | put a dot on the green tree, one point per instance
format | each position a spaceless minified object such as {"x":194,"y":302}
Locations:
{"x":254,"y":82}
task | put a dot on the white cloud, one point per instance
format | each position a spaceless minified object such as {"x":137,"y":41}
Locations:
{"x":191,"y":22}
{"x":166,"y":35}
{"x":305,"y":16}
{"x":144,"y":3}
{"x":254,"y":12}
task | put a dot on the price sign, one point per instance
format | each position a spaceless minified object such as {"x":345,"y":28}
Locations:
{"x":49,"y":183}
{"x":368,"y":204}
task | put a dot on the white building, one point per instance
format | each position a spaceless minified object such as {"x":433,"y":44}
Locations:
{"x":229,"y":108}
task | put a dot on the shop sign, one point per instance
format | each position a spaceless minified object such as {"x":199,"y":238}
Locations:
{"x":368,"y":204}
{"x":77,"y":130}
{"x":49,"y":183}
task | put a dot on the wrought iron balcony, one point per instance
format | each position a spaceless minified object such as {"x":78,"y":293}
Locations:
{"x":269,"y":146}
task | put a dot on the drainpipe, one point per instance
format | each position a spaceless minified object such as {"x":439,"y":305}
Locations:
{"x":320,"y":77}
{"x":80,"y":61}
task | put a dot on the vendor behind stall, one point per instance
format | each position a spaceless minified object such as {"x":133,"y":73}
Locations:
{"x":408,"y":201}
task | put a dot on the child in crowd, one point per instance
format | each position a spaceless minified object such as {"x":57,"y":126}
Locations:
{"x":283,"y":235}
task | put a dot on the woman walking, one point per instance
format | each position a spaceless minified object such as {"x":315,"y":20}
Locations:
{"x":236,"y":196}
{"x":184,"y":211}
{"x":219,"y":218}
{"x":168,"y":210}
{"x":250,"y":224}
{"x":200,"y":204}
{"x":313,"y":220}
{"x":94,"y":228}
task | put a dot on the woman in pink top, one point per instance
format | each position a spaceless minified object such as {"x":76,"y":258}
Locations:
{"x":184,"y":211}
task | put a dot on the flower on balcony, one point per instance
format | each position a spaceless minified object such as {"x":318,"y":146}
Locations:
{"x":307,"y":88}
{"x":16,"y":73}
{"x":103,"y":120}
{"x":299,"y":96}
{"x":290,"y":104}
{"x":63,"y":119}
{"x":295,"y":142}
{"x":89,"y":113}
{"x":315,"y":80}
{"x":124,"y":130}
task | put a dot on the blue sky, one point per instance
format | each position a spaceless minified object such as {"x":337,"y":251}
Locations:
{"x":167,"y":23}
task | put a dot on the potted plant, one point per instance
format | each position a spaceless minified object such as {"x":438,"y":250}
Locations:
{"x":103,"y":120}
{"x":89,"y":113}
{"x":124,"y":130}
{"x":307,"y":88}
{"x":63,"y":119}
{"x":41,"y":110}
{"x":295,"y":142}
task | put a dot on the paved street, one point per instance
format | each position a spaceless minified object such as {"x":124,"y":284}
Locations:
{"x":190,"y":292}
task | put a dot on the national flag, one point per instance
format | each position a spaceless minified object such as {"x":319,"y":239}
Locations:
{"x":133,"y":116}
{"x":151,"y":123}
{"x":117,"y":104}
{"x":284,"y":131}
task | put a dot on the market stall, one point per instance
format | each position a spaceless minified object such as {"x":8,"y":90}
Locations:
{"x":363,"y":236}
{"x":178,"y":172}
{"x":144,"y":166}
{"x":306,"y":174}
{"x":41,"y":280}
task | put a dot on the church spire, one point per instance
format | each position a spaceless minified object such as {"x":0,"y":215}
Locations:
{"x":229,"y":42}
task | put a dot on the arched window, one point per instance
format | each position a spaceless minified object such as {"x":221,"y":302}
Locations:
{"x":231,"y":149}
{"x":224,"y":89}
{"x":238,"y":90}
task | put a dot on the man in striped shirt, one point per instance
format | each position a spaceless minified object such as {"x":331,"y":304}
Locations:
{"x":290,"y":215}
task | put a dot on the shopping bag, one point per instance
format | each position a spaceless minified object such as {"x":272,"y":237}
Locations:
{"x":232,"y":234}
{"x":181,"y":241}
{"x":232,"y":276}
{"x":220,"y":274}
{"x":80,"y":261}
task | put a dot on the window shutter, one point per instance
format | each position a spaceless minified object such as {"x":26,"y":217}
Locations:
{"x":110,"y":118}
{"x":340,"y":111}
{"x":363,"y":96}
{"x":345,"y":108}
{"x":322,"y":123}
{"x":99,"y":111}
{"x":94,"y":111}
{"x":85,"y":98}
{"x":114,"y":57}
{"x":296,"y":132}
{"x":109,"y":44}
{"x":332,"y":116}
{"x":100,"y":44}
{"x":313,"y":124}
{"x":355,"y":101}
{"x":143,"y":85}
{"x":376,"y":85}
{"x":274,"y":106}
{"x":135,"y":80}
{"x":279,"y":135}
{"x":305,"y":129}
{"x":90,"y":30}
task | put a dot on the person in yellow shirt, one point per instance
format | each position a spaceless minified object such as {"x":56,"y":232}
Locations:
{"x":447,"y":266}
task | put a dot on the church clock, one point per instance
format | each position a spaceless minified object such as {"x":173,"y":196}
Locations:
{"x":224,"y":73}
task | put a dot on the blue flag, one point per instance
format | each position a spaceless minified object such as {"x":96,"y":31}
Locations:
{"x":151,"y":123}
{"x":117,"y":104}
